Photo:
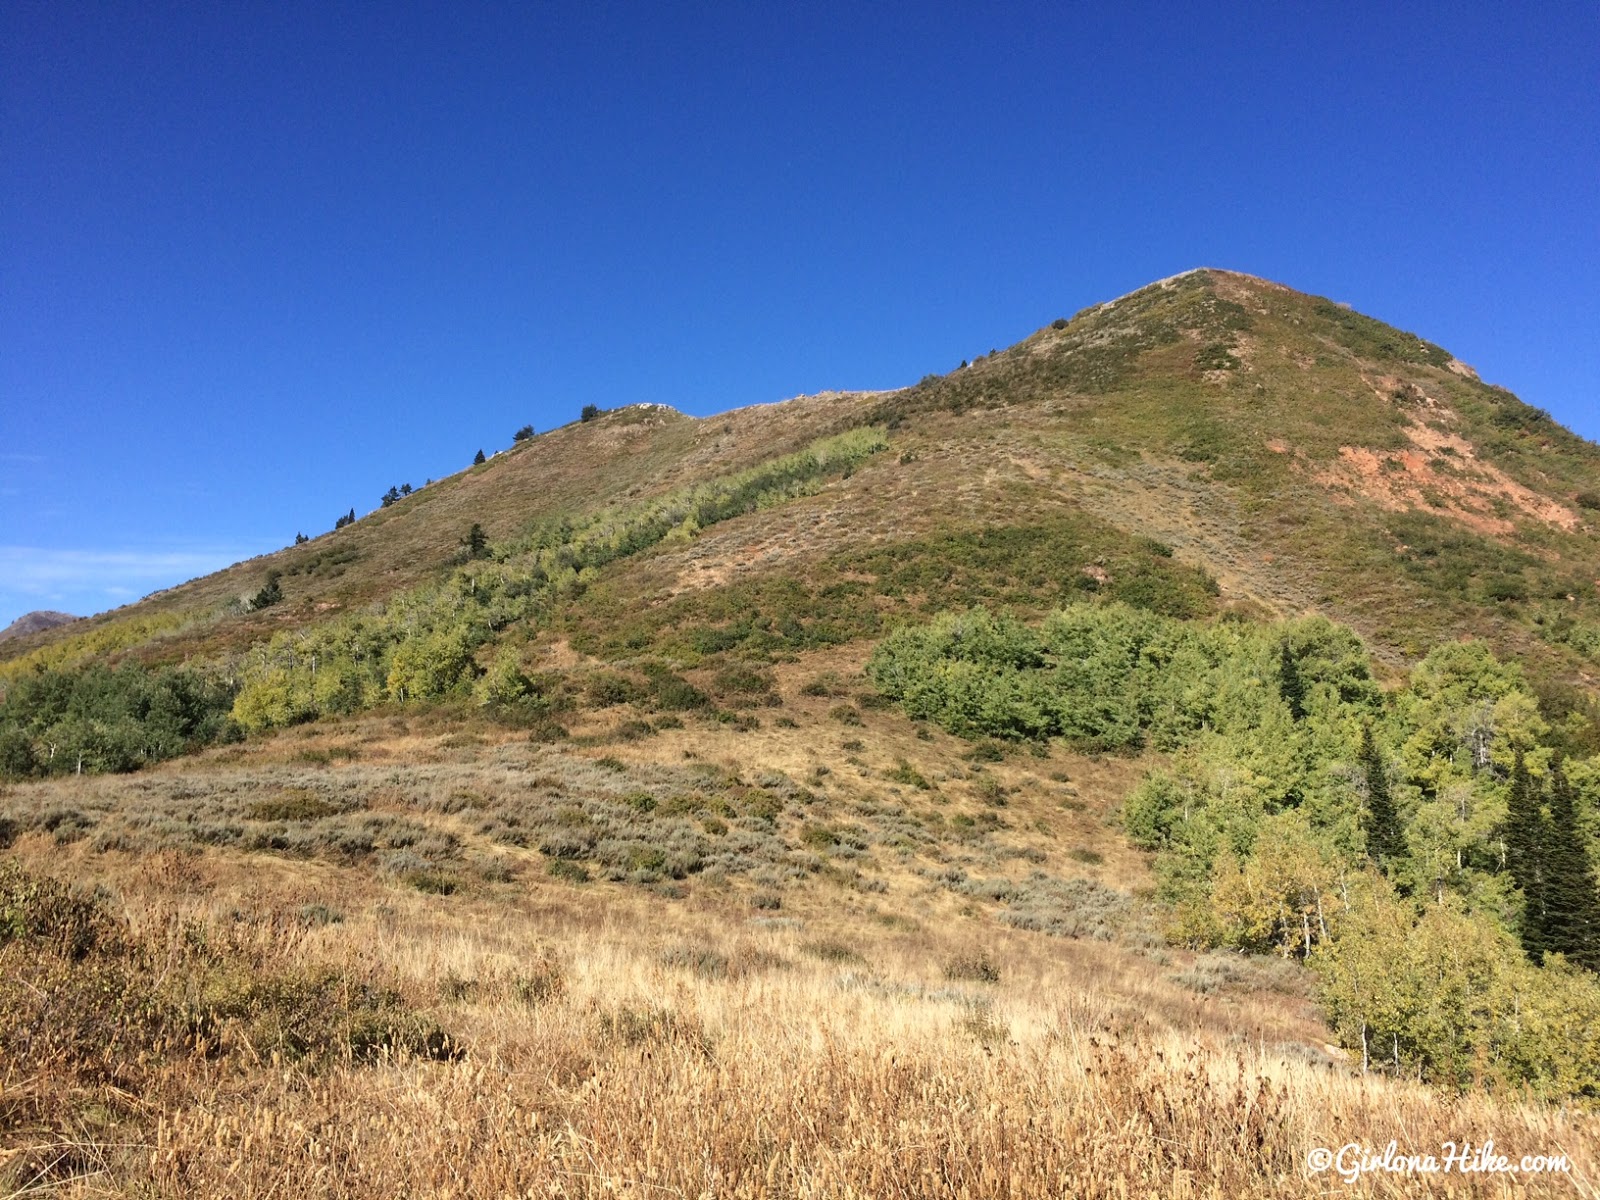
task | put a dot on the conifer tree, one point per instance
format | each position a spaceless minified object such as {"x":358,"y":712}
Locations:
{"x":1526,"y":840}
{"x":271,"y":592}
{"x":478,"y":459}
{"x":1379,"y":819}
{"x":1571,"y":914}
{"x":1290,"y":684}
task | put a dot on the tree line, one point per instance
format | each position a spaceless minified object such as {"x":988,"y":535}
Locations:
{"x":1426,"y":849}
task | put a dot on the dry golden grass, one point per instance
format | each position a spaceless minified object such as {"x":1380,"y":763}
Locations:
{"x":618,"y":1046}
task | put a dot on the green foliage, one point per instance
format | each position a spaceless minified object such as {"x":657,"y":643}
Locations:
{"x":478,"y":459}
{"x":1293,"y":781}
{"x":327,"y":563}
{"x":1107,"y":676}
{"x":422,"y":645}
{"x":1547,"y":855}
{"x":1098,"y":351}
{"x":95,"y":644}
{"x":1374,"y":340}
{"x":522,"y":434}
{"x":589,"y":413}
{"x":271,"y":592}
{"x":97,"y":719}
{"x":855,"y":593}
{"x":1216,"y":356}
{"x":1447,"y":558}
{"x":1447,"y":996}
{"x":1379,"y":821}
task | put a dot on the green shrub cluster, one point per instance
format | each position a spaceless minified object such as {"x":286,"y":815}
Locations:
{"x":1384,"y":838}
{"x":54,"y":722}
{"x":1106,"y":677}
{"x":1369,"y":338}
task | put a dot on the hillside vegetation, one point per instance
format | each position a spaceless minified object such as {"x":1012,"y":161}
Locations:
{"x":1124,"y":763}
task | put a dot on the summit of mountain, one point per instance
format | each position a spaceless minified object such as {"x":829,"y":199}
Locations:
{"x":1303,"y":456}
{"x":35,"y":622}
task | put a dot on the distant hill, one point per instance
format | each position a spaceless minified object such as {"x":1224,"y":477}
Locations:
{"x":34,"y":622}
{"x":1305,"y":457}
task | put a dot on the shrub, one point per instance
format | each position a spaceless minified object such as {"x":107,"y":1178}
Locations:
{"x":905,"y":773}
{"x":567,"y":871}
{"x":831,"y":950}
{"x":83,"y":994}
{"x":606,"y":689}
{"x":540,"y":981}
{"x":972,"y":966}
{"x":293,"y":804}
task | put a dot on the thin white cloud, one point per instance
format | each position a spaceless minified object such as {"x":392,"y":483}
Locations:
{"x":91,"y":580}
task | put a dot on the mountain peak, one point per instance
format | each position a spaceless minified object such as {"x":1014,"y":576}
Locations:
{"x":35,"y":621}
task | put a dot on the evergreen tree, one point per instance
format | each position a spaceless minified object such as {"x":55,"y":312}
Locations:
{"x":1379,"y":819}
{"x":1526,"y":840}
{"x":390,"y":496}
{"x":300,"y":539}
{"x":522,"y":434}
{"x":1571,"y":916}
{"x":478,"y":459}
{"x":270,"y":594}
{"x":589,"y":413}
{"x":476,"y":542}
{"x":405,"y":489}
{"x":1290,"y":684}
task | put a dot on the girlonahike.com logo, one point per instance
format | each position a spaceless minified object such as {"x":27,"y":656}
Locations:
{"x":1353,"y":1160}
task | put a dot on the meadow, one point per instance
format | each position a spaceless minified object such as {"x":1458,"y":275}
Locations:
{"x":840,"y":1008}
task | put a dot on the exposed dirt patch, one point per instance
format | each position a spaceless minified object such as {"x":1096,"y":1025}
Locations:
{"x":1442,"y":474}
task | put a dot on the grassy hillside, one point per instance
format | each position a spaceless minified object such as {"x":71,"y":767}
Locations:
{"x":591,"y":856}
{"x":1304,"y":456}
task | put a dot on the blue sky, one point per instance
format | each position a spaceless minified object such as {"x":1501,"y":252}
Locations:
{"x":260,"y":261}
